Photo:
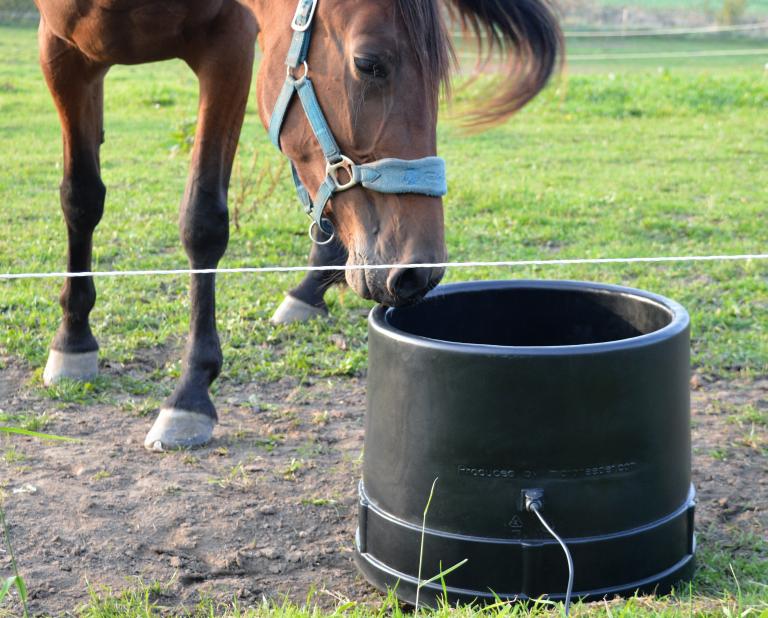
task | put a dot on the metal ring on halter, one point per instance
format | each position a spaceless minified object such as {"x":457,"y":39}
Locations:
{"x":314,"y":239}
{"x":289,"y":68}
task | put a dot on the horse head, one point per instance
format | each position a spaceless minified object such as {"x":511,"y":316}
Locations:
{"x":349,"y":91}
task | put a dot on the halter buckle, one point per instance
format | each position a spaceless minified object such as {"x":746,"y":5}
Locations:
{"x":332,"y":171}
{"x":302,"y":19}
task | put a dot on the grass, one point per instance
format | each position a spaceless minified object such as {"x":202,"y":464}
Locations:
{"x":644,"y":163}
{"x":638,"y":158}
{"x":148,"y":601}
{"x":27,"y":421}
{"x":15,"y":580}
{"x":237,"y":477}
{"x":727,"y":584}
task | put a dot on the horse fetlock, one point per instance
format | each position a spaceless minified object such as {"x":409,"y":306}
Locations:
{"x":77,"y":298}
{"x":82,"y":366}
{"x":202,"y":364}
{"x":176,"y":428}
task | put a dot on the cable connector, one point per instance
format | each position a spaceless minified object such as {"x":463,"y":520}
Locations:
{"x":532,"y":502}
{"x":532,"y":499}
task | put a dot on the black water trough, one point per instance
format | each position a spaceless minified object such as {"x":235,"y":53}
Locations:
{"x":496,"y":388}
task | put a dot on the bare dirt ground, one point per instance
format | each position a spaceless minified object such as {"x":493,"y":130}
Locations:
{"x":269,"y":508}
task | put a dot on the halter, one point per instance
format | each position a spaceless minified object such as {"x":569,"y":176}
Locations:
{"x":424,"y":176}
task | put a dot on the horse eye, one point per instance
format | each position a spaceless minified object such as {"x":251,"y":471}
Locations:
{"x":370,"y":66}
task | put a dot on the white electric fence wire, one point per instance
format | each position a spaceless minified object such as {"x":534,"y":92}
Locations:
{"x":640,"y":32}
{"x":569,"y":589}
{"x":598,"y":34}
{"x":715,"y":53}
{"x":291,"y":269}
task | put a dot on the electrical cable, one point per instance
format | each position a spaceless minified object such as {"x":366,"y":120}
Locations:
{"x":533,"y":507}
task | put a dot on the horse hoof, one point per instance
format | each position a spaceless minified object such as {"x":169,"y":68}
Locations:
{"x":294,"y":310}
{"x":176,"y":428}
{"x":82,"y":366}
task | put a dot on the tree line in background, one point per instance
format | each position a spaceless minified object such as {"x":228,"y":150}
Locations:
{"x":732,"y":11}
{"x":20,"y":6}
{"x":18,"y":12}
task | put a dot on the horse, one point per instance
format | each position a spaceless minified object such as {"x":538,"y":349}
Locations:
{"x":348,"y":90}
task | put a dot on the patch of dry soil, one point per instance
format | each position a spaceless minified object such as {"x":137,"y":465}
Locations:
{"x":269,"y":508}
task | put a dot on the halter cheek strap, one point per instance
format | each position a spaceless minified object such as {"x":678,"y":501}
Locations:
{"x":424,"y":176}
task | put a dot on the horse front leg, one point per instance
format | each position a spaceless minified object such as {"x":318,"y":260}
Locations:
{"x":223,"y":62}
{"x":76,"y":85}
{"x":306,"y":300}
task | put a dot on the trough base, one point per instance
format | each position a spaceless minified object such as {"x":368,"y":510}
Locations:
{"x":431,"y":595}
{"x":383,"y":540}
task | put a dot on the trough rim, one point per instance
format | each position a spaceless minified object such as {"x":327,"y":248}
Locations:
{"x":679,"y":323}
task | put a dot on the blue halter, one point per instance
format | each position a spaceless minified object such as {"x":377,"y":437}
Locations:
{"x":424,"y":176}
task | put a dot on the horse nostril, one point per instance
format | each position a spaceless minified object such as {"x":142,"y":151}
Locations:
{"x":408,"y":283}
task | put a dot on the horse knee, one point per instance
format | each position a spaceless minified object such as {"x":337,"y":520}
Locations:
{"x":204,"y":226}
{"x":82,"y":202}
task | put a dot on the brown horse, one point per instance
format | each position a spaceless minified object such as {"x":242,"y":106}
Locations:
{"x":377,"y":67}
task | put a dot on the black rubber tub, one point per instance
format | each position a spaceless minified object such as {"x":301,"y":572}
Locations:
{"x":495,"y":388}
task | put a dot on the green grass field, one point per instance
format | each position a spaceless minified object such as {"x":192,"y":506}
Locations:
{"x":619,"y":159}
{"x":663,"y":162}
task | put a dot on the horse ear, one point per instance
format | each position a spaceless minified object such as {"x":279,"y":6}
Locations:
{"x":528,"y":36}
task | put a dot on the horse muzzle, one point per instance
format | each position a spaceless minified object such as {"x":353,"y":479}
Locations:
{"x":398,"y":286}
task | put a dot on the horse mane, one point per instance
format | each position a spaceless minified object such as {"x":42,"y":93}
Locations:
{"x":429,"y":39}
{"x":525,"y":33}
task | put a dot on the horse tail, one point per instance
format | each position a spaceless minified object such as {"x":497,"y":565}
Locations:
{"x":527,"y":35}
